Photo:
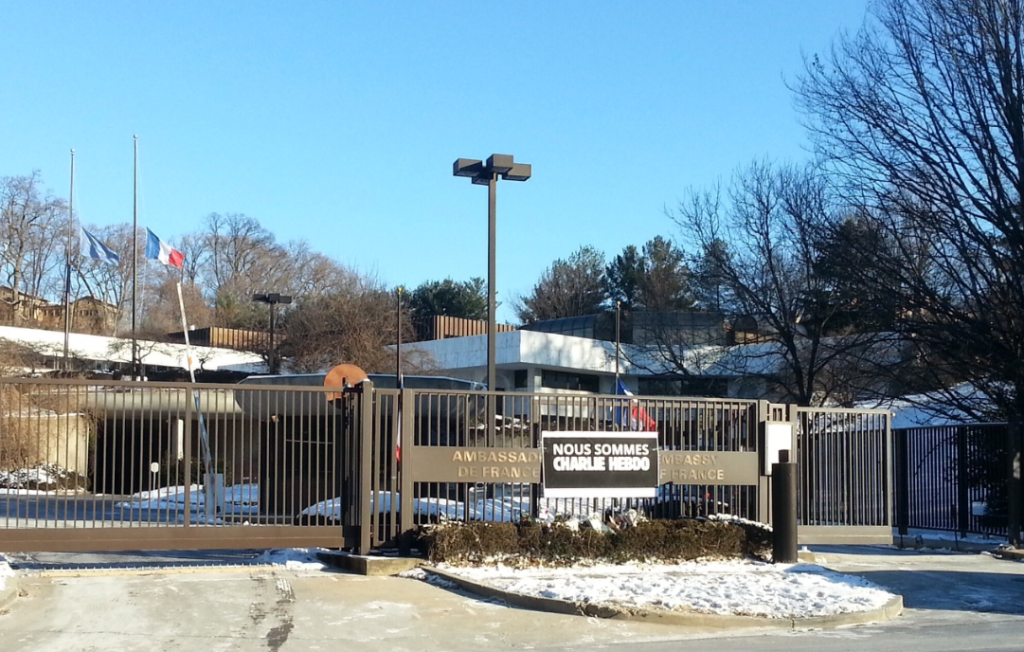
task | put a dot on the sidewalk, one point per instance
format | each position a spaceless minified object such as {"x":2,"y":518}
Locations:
{"x":936,"y":540}
{"x":934,"y":579}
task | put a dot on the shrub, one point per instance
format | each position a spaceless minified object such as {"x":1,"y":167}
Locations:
{"x":558,"y":544}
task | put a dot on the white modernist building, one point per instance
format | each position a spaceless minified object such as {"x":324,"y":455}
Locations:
{"x":531,"y":361}
{"x":103,"y":352}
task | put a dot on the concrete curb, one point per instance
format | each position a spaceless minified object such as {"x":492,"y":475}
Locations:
{"x":889,"y":611}
{"x":369,"y":565}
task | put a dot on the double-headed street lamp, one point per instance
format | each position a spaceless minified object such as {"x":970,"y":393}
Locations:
{"x":272,"y":300}
{"x":486,"y":174}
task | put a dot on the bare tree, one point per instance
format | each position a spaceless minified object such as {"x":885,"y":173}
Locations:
{"x":194,"y":247}
{"x":243,"y":258}
{"x":32,"y":234}
{"x":764,"y":245}
{"x":351,"y":324}
{"x":921,"y":118}
{"x":315,"y":274}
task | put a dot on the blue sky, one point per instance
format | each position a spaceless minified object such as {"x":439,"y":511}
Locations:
{"x":338,"y":122}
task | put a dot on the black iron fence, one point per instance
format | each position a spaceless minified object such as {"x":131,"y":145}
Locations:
{"x":953,"y":478}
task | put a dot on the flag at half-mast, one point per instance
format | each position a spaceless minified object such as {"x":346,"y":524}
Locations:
{"x":638,"y":418}
{"x":93,"y":248}
{"x":157,"y":249}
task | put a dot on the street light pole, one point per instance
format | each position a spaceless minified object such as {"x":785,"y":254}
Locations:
{"x":272,"y":300}
{"x":492,"y":269}
{"x":504,"y":166}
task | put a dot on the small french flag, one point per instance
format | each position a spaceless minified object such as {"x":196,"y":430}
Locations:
{"x":157,"y":249}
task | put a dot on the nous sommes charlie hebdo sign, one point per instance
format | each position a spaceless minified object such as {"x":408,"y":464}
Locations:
{"x":600,"y":464}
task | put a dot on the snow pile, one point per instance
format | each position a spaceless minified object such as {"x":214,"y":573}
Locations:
{"x":292,"y":559}
{"x":45,"y":477}
{"x":239,"y":499}
{"x":721,"y":587}
{"x":5,"y":572}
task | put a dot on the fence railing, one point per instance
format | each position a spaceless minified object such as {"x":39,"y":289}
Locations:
{"x":952,"y":478}
{"x":181,"y":463}
{"x":103,"y":465}
{"x":509,"y":490}
{"x":844,"y":467}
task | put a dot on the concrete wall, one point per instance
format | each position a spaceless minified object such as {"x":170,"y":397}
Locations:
{"x":34,"y":439}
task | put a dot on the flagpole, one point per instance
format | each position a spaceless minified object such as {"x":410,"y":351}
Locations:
{"x":211,"y":487}
{"x":399,"y":379}
{"x":136,"y":375}
{"x":67,"y":276}
{"x":618,"y":309}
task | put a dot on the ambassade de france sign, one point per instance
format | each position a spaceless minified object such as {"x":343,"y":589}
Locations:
{"x":600,"y":464}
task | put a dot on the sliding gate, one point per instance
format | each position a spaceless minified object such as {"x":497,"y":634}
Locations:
{"x":91,"y":465}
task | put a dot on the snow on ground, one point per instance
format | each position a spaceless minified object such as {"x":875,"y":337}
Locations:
{"x":721,"y":587}
{"x":292,"y":559}
{"x":117,"y":349}
{"x":949,"y":540}
{"x":238,"y":500}
{"x":5,"y":572}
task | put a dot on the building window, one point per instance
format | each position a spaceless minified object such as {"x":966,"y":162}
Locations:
{"x":563,"y":380}
{"x":519,"y":379}
{"x":693,"y":386}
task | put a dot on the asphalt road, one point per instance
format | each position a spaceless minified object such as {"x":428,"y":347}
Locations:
{"x":954,"y":602}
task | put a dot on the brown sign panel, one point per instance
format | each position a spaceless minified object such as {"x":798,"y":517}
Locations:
{"x":460,"y":464}
{"x":463,"y":464}
{"x":708,"y":467}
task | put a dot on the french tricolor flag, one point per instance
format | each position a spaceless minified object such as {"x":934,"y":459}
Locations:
{"x":157,"y":249}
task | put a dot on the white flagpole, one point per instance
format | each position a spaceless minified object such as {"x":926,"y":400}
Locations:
{"x":204,"y":438}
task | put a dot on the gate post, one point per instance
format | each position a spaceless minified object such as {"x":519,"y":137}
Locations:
{"x":901,"y":438}
{"x":367,"y":501}
{"x":1015,"y":517}
{"x":962,"y":511}
{"x":406,"y":446}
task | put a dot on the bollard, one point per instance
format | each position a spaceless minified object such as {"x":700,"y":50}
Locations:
{"x":784,"y":512}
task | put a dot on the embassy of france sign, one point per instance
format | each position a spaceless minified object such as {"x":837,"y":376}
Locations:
{"x":600,"y":464}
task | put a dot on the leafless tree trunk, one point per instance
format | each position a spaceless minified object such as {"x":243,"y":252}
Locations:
{"x":921,"y":118}
{"x":765,"y":242}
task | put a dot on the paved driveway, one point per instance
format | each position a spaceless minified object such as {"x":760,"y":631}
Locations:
{"x":954,"y":602}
